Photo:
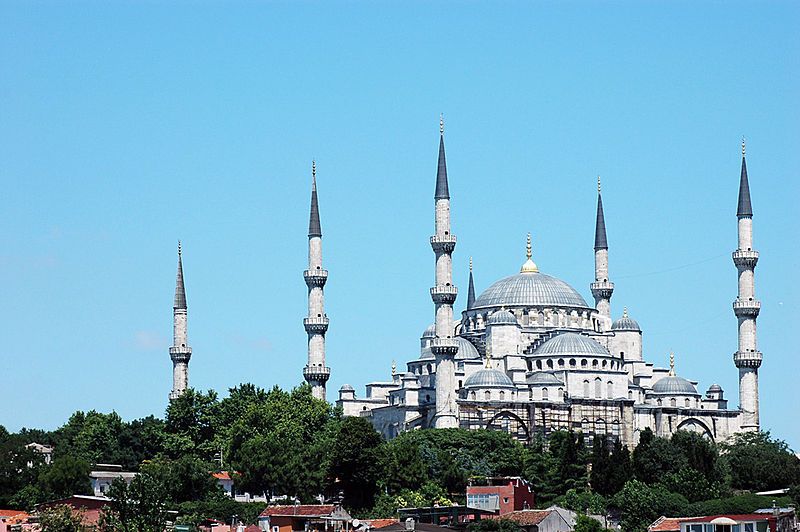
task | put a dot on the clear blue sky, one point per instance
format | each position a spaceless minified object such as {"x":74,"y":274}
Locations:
{"x":127,"y":125}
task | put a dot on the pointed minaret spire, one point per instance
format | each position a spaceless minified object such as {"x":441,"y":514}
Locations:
{"x":745,"y":207}
{"x":672,"y":364}
{"x":444,"y":345}
{"x":180,"y":352}
{"x":314,"y":226}
{"x":746,"y":307}
{"x":316,"y":373}
{"x":442,"y":189}
{"x":601,"y":288}
{"x":471,"y":289}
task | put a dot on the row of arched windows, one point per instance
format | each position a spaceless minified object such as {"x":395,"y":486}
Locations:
{"x":605,"y":363}
{"x":598,"y":389}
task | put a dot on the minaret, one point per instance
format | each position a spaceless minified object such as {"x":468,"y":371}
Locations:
{"x":602,"y":288}
{"x":746,"y":307}
{"x":444,"y":346}
{"x":316,"y":372}
{"x":471,"y":290}
{"x":180,"y":352}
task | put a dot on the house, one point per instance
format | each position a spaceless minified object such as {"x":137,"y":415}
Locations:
{"x":765,"y":520}
{"x":103,"y":475}
{"x":304,"y":517}
{"x":537,"y":520}
{"x":11,"y":517}
{"x":500,"y":494}
{"x":226,"y":482}
{"x":90,"y":507}
{"x":45,"y":450}
{"x":667,"y":524}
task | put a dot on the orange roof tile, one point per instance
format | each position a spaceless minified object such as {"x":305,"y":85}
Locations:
{"x":524,"y":517}
{"x":310,"y":510}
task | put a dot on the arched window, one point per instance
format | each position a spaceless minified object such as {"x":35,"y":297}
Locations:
{"x":658,"y":402}
{"x":594,"y":363}
{"x":630,"y":394}
{"x":560,"y":362}
{"x":605,"y":363}
{"x":430,"y":369}
{"x":550,"y":364}
{"x":544,"y":394}
{"x":586,"y":388}
{"x":584,"y":363}
{"x":460,"y":384}
{"x":561,"y":394}
{"x":610,"y":390}
{"x":688,"y":404}
{"x":472,"y":396}
{"x":488,"y":395}
{"x":538,"y":364}
{"x":502,"y":395}
{"x":598,"y":384}
{"x":572,"y":362}
{"x":672,"y":402}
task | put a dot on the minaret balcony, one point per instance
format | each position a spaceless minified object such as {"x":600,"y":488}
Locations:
{"x":444,"y":346}
{"x":180,"y":354}
{"x":748,"y":308}
{"x":444,"y":294}
{"x":745,"y":258}
{"x":316,"y":325}
{"x":315,"y":277}
{"x":747,"y":359}
{"x":316,"y":373}
{"x":443,"y":244}
{"x":602,"y":289}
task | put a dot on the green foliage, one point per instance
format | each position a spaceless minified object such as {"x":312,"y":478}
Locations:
{"x":219,"y":507}
{"x":587,"y":524}
{"x":583,"y":501}
{"x":65,"y":477}
{"x":140,"y":506}
{"x":611,"y":466}
{"x":403,"y":466}
{"x":737,"y":504}
{"x":430,"y":494}
{"x":185,"y":479}
{"x":655,"y":457}
{"x":493,"y":525}
{"x":19,"y":469}
{"x":61,"y":518}
{"x":641,"y":504}
{"x":355,"y":458}
{"x":191,"y":424}
{"x":759,"y":463}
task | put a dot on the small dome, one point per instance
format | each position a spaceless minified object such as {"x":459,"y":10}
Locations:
{"x":715,"y":388}
{"x":626,"y":323}
{"x":466,"y":351}
{"x":346,"y":388}
{"x":674,"y":385}
{"x":430,"y":332}
{"x":544,"y":378}
{"x":502,"y":317}
{"x":488,"y":378}
{"x":567,"y":344}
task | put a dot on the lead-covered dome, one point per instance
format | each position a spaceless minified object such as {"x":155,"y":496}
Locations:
{"x":570,"y":343}
{"x":626,"y":323}
{"x":502,"y":317}
{"x":674,"y":385}
{"x":488,"y":378}
{"x":466,"y":351}
{"x":530,"y":289}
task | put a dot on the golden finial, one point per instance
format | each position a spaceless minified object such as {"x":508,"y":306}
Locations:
{"x":441,"y":124}
{"x":672,"y":364}
{"x":743,"y":147}
{"x":470,"y":264}
{"x":529,"y":266}
{"x":598,"y":183}
{"x":313,"y":169}
{"x":488,"y":357}
{"x":179,"y":248}
{"x":394,"y":368}
{"x":624,"y":312}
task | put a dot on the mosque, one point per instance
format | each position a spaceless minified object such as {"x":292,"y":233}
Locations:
{"x":529,"y":355}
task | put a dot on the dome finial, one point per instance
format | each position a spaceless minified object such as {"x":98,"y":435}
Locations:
{"x":313,"y":169}
{"x":394,"y":368}
{"x":470,"y":264}
{"x":529,"y":266}
{"x":672,"y":364}
{"x":441,"y":123}
{"x":598,"y":183}
{"x":488,"y":357}
{"x":179,"y":248}
{"x":624,"y":312}
{"x":743,"y":146}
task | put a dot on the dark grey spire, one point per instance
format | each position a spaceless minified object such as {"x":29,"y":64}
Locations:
{"x":471,"y":291}
{"x":745,"y":208}
{"x":314,"y":228}
{"x":600,"y":241}
{"x":180,"y":290}
{"x":442,"y":190}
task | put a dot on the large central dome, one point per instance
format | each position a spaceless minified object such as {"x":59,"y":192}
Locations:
{"x":530,"y":289}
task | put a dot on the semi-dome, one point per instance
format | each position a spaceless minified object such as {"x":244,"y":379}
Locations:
{"x":466,"y":351}
{"x":502,"y":317}
{"x":430,"y":332}
{"x":530,"y":289}
{"x":626,"y":323}
{"x":674,"y":385}
{"x":568,"y":344}
{"x":488,"y":378}
{"x":544,"y":378}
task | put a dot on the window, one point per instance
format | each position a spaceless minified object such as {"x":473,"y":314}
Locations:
{"x":687,"y":403}
{"x":586,"y":388}
{"x":598,"y":383}
{"x":572,"y":362}
{"x":460,"y":384}
{"x":502,"y":395}
{"x":560,"y":362}
{"x":487,"y":395}
{"x":748,"y":527}
{"x":472,"y":396}
{"x":695,"y":528}
{"x":594,"y":363}
{"x":672,"y":402}
{"x":630,"y":394}
{"x":544,"y":394}
{"x":538,"y":364}
{"x":276,"y":529}
{"x":610,"y":386}
{"x":550,"y":364}
{"x":561,"y":394}
{"x":583,"y":363}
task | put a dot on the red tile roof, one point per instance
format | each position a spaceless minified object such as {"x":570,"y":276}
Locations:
{"x":668,"y":524}
{"x":524,"y":517}
{"x":735,"y":517}
{"x":221,"y":475}
{"x":380,"y":523}
{"x":9,"y":513}
{"x":310,"y":510}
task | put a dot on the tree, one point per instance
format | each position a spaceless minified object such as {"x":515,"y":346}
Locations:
{"x":65,"y":477}
{"x":641,"y":504}
{"x":191,"y":424}
{"x":493,"y":525}
{"x":758,"y":463}
{"x":355,"y":460}
{"x":404,"y":467}
{"x":140,"y":506}
{"x":584,"y":501}
{"x":539,"y":468}
{"x":187,"y":478}
{"x":19,"y":469}
{"x":569,"y":450}
{"x":584,"y":523}
{"x":91,"y":436}
{"x":60,"y":518}
{"x":656,"y":457}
